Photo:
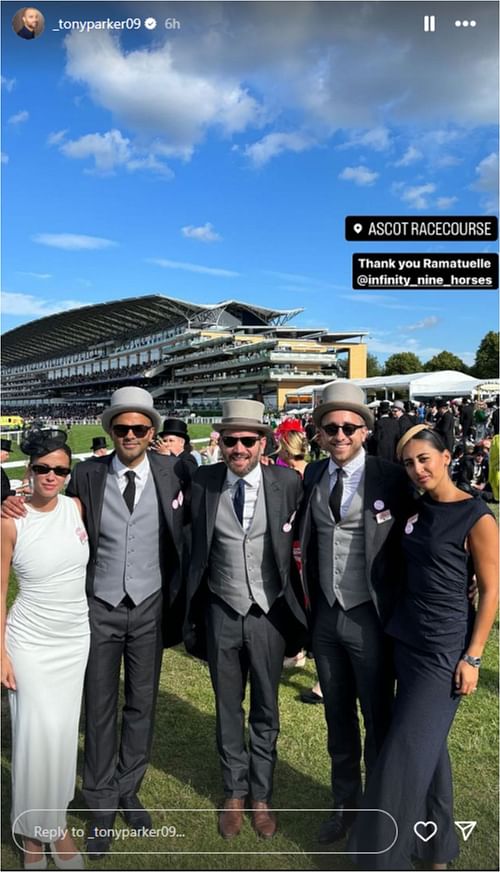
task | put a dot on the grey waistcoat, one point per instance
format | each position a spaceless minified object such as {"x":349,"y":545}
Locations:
{"x":242,"y":568}
{"x":128,"y":553}
{"x":341,"y":547}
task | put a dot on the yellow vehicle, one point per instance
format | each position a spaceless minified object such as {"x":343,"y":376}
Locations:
{"x":11,"y":422}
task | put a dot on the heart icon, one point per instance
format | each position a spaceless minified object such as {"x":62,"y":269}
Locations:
{"x":425,"y":830}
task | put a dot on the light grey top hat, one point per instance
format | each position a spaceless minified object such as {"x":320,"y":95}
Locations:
{"x":243,"y":415}
{"x":398,"y":404}
{"x":130,"y":399}
{"x":343,"y":396}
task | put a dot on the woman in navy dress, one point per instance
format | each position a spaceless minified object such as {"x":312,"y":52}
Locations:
{"x":438,"y":642}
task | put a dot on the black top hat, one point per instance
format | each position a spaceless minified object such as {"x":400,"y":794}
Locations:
{"x":175,"y":427}
{"x":98,"y":442}
{"x":384,"y":407}
{"x":6,"y":444}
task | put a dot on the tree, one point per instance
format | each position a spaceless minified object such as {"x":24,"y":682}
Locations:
{"x":486,"y":362}
{"x":402,"y":363}
{"x":445,"y":360}
{"x":373,"y":366}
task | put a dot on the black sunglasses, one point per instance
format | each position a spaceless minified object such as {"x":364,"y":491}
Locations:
{"x":348,"y":429}
{"x":139,"y":430}
{"x":44,"y":469}
{"x":247,"y":441}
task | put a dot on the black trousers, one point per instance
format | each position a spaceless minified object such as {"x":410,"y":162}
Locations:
{"x":239,"y":648}
{"x":412,"y":780}
{"x":354,"y":661}
{"x":114,"y":766}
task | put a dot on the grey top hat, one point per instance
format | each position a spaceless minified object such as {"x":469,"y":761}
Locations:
{"x":243,"y":415}
{"x":130,"y":399}
{"x":398,"y":404}
{"x":343,"y":396}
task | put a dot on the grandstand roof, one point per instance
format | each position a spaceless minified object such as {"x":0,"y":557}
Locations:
{"x":88,"y":326}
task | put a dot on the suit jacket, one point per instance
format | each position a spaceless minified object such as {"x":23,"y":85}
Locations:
{"x":282,"y":492}
{"x":88,"y":482}
{"x":6,"y":487}
{"x":445,"y":426}
{"x":386,"y":483}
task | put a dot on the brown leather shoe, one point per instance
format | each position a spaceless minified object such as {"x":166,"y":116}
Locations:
{"x":231,"y":818}
{"x":263,"y":820}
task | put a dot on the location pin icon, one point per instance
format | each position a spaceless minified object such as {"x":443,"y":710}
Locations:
{"x":357,"y":228}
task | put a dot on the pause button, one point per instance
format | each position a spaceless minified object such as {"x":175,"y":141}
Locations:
{"x":429,"y":23}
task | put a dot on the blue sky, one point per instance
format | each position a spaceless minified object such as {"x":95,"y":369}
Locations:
{"x":218,"y":160}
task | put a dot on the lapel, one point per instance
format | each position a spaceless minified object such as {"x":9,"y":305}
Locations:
{"x":317,"y":470}
{"x":97,"y":474}
{"x":273,"y":495}
{"x":375,"y":489}
{"x":162,"y":477}
{"x":216,"y":476}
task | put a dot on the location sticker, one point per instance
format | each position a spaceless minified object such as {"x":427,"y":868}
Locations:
{"x":357,"y":228}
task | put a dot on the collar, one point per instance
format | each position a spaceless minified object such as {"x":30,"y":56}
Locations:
{"x":356,"y":463}
{"x":141,"y":471}
{"x":253,"y":479}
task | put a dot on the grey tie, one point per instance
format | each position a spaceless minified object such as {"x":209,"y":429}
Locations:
{"x":336,"y":495}
{"x":129,"y":492}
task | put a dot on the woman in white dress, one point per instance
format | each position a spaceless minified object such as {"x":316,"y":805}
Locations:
{"x":45,"y":642}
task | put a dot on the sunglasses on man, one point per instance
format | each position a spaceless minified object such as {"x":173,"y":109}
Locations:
{"x":347,"y":429}
{"x":246,"y":441}
{"x":44,"y":469}
{"x":139,"y":430}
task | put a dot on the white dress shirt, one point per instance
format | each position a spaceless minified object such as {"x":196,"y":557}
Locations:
{"x":252,"y":483}
{"x":353,"y":473}
{"x":141,"y":476}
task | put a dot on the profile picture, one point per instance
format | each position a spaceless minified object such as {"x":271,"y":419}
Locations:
{"x":28,"y":22}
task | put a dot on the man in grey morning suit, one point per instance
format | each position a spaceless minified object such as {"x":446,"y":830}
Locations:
{"x":133,"y":513}
{"x":241,"y":596}
{"x":350,"y":567}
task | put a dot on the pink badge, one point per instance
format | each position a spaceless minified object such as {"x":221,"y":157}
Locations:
{"x":409,"y":528}
{"x":175,"y":504}
{"x":287,"y":528}
{"x":378,"y":505}
{"x":180,"y":498}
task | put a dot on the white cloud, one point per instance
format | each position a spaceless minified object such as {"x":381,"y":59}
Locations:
{"x":416,"y":197}
{"x":4,"y":157}
{"x":8,"y":84}
{"x":378,"y":138}
{"x":411,"y":155}
{"x":19,"y":118}
{"x":192,"y":267}
{"x":205,"y":233}
{"x":155,"y":95}
{"x":26,"y":304}
{"x":110,"y":151}
{"x":73,"y":241}
{"x":382,"y":301}
{"x":57,"y":137}
{"x":424,"y":324}
{"x":35,"y":275}
{"x":446,"y":202}
{"x":359,"y":175}
{"x":487,"y":174}
{"x":275,"y":144}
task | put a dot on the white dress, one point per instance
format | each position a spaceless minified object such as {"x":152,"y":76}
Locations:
{"x":47,"y":639}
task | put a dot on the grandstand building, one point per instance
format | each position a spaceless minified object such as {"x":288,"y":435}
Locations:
{"x":186,"y":354}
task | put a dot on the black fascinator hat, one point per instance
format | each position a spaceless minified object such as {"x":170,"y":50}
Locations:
{"x":37,"y":441}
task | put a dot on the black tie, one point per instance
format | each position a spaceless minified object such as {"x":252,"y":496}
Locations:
{"x":129,"y":492}
{"x":239,"y":500}
{"x":336,"y":496}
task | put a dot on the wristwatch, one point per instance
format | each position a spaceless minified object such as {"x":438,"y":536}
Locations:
{"x":472,"y":661}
